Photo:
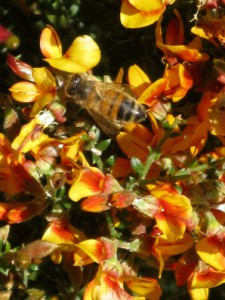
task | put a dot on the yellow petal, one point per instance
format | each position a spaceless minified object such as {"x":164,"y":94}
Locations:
{"x":207,"y":278}
{"x":50,"y":43}
{"x":132,"y":17}
{"x":84,"y":51}
{"x":199,"y":294}
{"x":137,"y":76}
{"x":88,"y":183}
{"x":150,"y":95}
{"x":66,"y":64}
{"x":24,"y":91}
{"x":169,"y":248}
{"x":146,"y":5}
{"x":138,"y":80}
{"x":145,"y":286}
{"x":41,"y":101}
{"x":94,"y":249}
{"x":211,"y":250}
{"x":62,"y":234}
{"x":30,"y":135}
{"x":186,"y":53}
{"x":44,"y":79}
{"x":132,"y":145}
{"x":171,"y":227}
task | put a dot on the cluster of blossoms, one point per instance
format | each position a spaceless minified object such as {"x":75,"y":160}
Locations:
{"x":157,"y":201}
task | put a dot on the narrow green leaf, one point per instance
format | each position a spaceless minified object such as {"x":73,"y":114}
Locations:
{"x":103,"y":145}
{"x":137,"y":165}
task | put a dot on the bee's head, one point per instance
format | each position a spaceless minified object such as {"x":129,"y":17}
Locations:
{"x":78,"y":88}
{"x":73,"y":85}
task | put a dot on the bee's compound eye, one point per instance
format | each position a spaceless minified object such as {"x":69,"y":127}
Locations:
{"x":71,"y":88}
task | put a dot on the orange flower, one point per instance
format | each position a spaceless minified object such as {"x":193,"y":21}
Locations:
{"x":211,"y":250}
{"x":91,"y":181}
{"x":81,"y":56}
{"x":121,"y":168}
{"x":198,"y":276}
{"x":174,"y":215}
{"x":172,"y":212}
{"x":106,"y":286}
{"x":154,"y":96}
{"x":211,"y":110}
{"x":192,"y":138}
{"x":137,"y":14}
{"x":163,"y":248}
{"x":109,"y":283}
{"x":98,"y":250}
{"x":210,"y":28}
{"x":176,"y":51}
{"x":60,"y":232}
{"x":179,"y":82}
{"x":20,"y":212}
{"x":14,"y":177}
{"x":42,"y":91}
{"x":144,"y":286}
{"x":8,"y":182}
{"x":205,"y":278}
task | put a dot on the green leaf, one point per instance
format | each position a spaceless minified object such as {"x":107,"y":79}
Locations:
{"x":110,"y":161}
{"x":102,"y":146}
{"x":137,"y":165}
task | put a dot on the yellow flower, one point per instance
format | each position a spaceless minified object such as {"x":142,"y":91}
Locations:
{"x":42,"y":91}
{"x":82,"y":55}
{"x":137,"y":14}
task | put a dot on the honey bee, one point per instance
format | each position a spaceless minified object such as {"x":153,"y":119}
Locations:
{"x":107,"y":103}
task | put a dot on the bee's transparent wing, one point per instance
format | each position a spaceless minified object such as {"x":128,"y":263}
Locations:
{"x":110,"y":128}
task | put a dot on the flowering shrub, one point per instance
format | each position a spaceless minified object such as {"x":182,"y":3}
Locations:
{"x":114,"y":216}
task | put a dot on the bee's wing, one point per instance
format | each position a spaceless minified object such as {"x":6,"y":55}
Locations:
{"x":110,"y":128}
{"x":103,"y":87}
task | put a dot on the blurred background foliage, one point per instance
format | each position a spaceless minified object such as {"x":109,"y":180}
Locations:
{"x":120,"y":47}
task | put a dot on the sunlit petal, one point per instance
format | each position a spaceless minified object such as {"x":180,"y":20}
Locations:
{"x":199,"y":294}
{"x":141,"y":13}
{"x":172,"y":228}
{"x":150,"y":95}
{"x":89,"y":182}
{"x":96,"y":203}
{"x":66,"y":64}
{"x":186,"y":53}
{"x":105,"y":287}
{"x":145,"y":286}
{"x":211,"y":250}
{"x":44,"y":79}
{"x":84,"y":51}
{"x":132,"y":145}
{"x":178,"y":246}
{"x":24,"y":91}
{"x":208,"y":278}
{"x":58,"y":233}
{"x":50,"y":43}
{"x":138,"y":80}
